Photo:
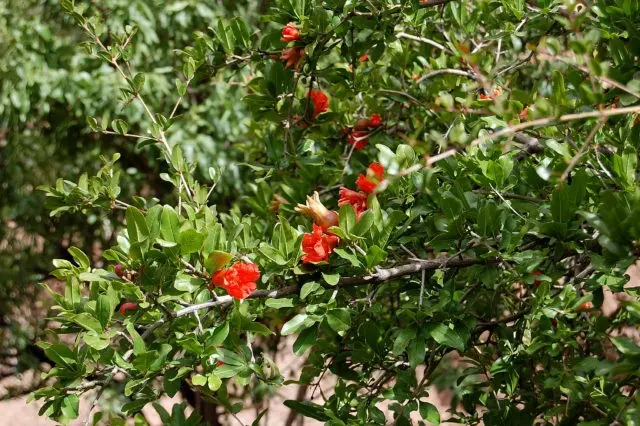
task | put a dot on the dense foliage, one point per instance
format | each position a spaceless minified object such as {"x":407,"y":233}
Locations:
{"x":470,"y":177}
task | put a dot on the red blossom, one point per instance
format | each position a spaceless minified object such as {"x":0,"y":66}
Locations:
{"x":317,"y":245}
{"x":320,"y":102}
{"x":239,"y":279}
{"x":290,"y":33}
{"x":128,"y":306}
{"x":357,"y":199}
{"x":364,"y":58}
{"x":359,"y":139}
{"x":368,"y":183}
{"x":292,"y":56}
{"x":375,"y":120}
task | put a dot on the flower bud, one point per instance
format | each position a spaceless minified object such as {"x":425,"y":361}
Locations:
{"x":316,"y":210}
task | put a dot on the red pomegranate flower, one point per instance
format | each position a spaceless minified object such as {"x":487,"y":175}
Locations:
{"x":128,"y":306}
{"x":357,"y":199}
{"x":359,"y":139}
{"x":317,"y":245}
{"x":239,"y":279}
{"x":375,"y":120}
{"x":321,"y":215}
{"x":368,"y":183}
{"x":320,"y":102}
{"x":292,"y":56}
{"x":364,"y":58}
{"x":290,"y":33}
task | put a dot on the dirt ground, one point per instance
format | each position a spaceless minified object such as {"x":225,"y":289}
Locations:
{"x":18,"y":412}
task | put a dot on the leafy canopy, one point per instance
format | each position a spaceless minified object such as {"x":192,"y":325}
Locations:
{"x":505,"y":200}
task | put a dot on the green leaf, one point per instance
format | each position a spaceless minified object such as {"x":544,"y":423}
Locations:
{"x":489,"y":220}
{"x":331,"y":279}
{"x":347,"y":217}
{"x":198,"y":380}
{"x":348,"y":256}
{"x":218,"y":335}
{"x":170,"y":224}
{"x":364,"y":224}
{"x":213,"y":382}
{"x":626,"y":346}
{"x":104,"y":310}
{"x":241,"y":31}
{"x":181,"y":86}
{"x":279,"y":303}
{"x":307,"y":409}
{"x":217,"y":260}
{"x":138,"y":81}
{"x":375,"y":255}
{"x":416,"y":352}
{"x":70,"y":406}
{"x":61,"y":354}
{"x":625,"y":166}
{"x":429,"y":412}
{"x":139,"y":346}
{"x":187,"y":283}
{"x":306,"y":339}
{"x":296,"y":324}
{"x":190,"y":241}
{"x":224,"y":36}
{"x":79,"y":256}
{"x":310,"y":288}
{"x":96,"y":341}
{"x":257,"y":328}
{"x":119,"y":126}
{"x":272,"y":254}
{"x":448,"y":337}
{"x":339,"y":319}
{"x":402,"y":340}
{"x":137,"y":230}
{"x":87,"y":321}
{"x":188,"y":69}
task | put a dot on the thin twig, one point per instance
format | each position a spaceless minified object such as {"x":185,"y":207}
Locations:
{"x":583,"y":149}
{"x":445,"y":71}
{"x":423,"y":40}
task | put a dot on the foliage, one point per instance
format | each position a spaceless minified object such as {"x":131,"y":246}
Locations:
{"x":48,"y":88}
{"x":507,"y":203}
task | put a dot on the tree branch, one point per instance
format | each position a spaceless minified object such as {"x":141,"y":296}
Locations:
{"x":432,"y":3}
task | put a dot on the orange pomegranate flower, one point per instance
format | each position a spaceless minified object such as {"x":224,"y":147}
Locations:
{"x":292,"y":56}
{"x":364,"y":58}
{"x":317,"y":246}
{"x":321,"y":215}
{"x":320,"y":102}
{"x":239,"y":279}
{"x":357,"y":199}
{"x":368,"y":183}
{"x":290,"y":33}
